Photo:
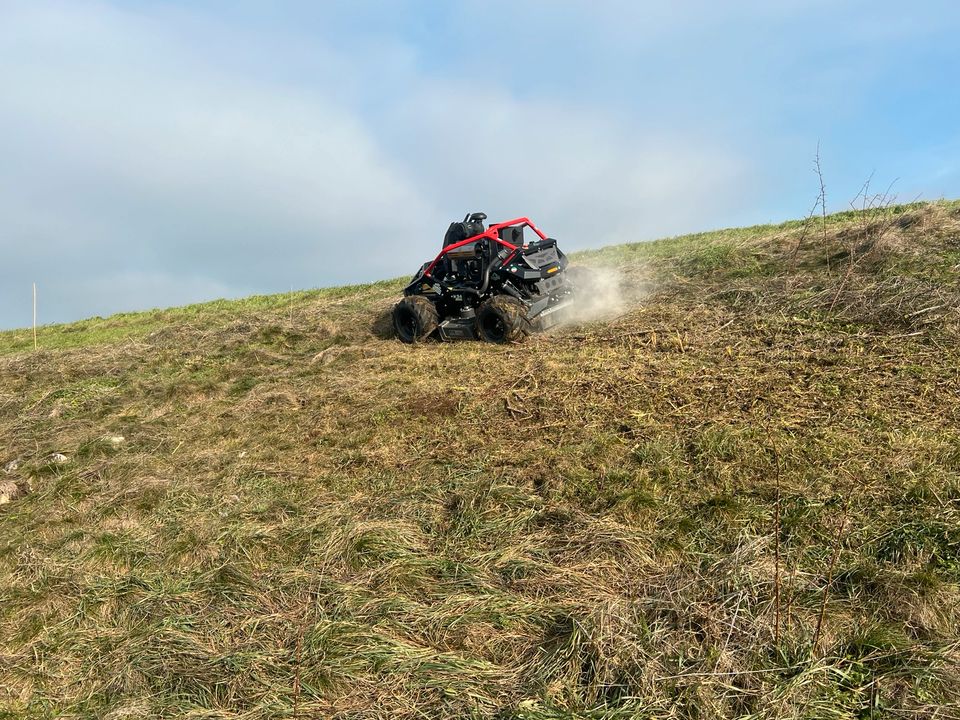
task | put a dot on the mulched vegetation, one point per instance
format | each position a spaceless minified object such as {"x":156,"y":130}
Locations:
{"x":738,"y":498}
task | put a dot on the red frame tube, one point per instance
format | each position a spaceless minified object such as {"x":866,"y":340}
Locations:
{"x":491,"y":233}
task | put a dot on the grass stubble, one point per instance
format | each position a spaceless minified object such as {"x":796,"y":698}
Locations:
{"x":738,"y":498}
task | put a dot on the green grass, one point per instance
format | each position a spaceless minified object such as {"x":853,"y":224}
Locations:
{"x":135,"y":325}
{"x":642,"y":516}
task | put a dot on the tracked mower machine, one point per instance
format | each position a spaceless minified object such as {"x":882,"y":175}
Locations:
{"x":486,"y":283}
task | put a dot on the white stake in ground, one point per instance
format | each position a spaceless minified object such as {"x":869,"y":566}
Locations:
{"x":34,"y":316}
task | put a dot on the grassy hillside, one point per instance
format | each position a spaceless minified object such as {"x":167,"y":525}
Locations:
{"x":740,"y":498}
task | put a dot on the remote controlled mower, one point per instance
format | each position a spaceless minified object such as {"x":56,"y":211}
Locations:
{"x":486,"y":283}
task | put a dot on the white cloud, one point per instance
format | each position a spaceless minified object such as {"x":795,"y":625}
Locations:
{"x":161,"y":155}
{"x":583,"y":173}
{"x":119,"y":158}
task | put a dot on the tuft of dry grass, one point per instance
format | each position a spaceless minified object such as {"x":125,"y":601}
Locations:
{"x":641,"y":517}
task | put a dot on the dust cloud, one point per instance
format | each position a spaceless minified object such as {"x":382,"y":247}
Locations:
{"x":602,"y":293}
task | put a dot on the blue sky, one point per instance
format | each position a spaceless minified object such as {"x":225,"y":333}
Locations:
{"x":159,"y":153}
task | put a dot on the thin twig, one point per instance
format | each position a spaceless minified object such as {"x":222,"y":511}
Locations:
{"x":35,"y":317}
{"x":826,"y":588}
{"x":776,"y":531}
{"x":823,"y":203}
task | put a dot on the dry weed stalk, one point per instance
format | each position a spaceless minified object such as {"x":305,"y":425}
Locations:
{"x":837,"y":544}
{"x":776,"y":530}
{"x":870,"y":233}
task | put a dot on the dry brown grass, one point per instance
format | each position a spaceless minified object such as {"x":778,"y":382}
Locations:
{"x":306,"y":519}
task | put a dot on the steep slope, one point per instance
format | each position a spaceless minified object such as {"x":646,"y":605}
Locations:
{"x":739,"y":497}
